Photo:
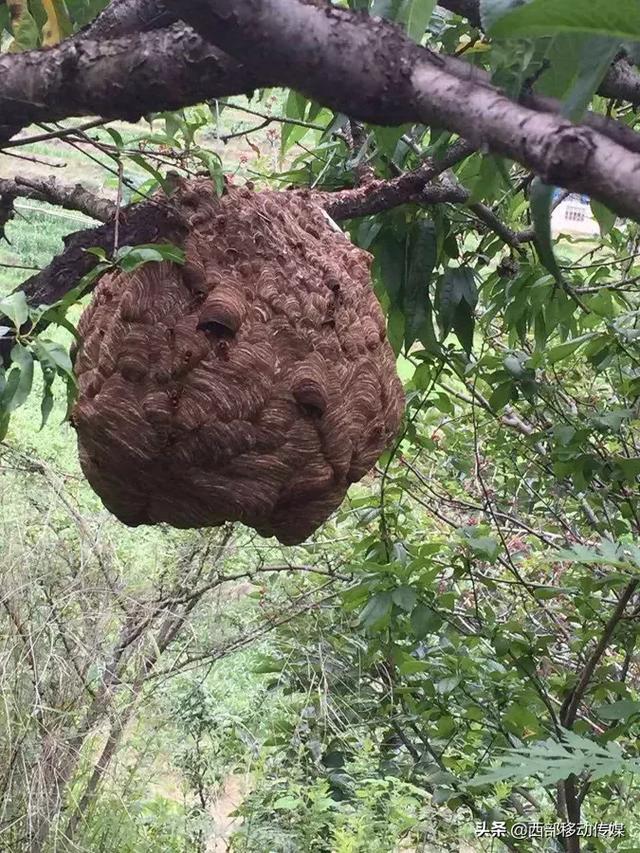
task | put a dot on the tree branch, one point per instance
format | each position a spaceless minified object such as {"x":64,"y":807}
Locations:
{"x":124,"y":17}
{"x":327,"y":48}
{"x":122,"y":78}
{"x":622,"y":83}
{"x":378,"y":195}
{"x":145,"y":222}
{"x":54,"y":192}
{"x":159,"y":218}
{"x":571,"y":704}
{"x":326,"y":52}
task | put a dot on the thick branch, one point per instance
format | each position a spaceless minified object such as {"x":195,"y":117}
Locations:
{"x":122,"y":78}
{"x":371,"y":70}
{"x":123,"y":17}
{"x":622,"y":83}
{"x":54,"y":192}
{"x":377,"y":195}
{"x":330,"y":50}
{"x":158,"y":220}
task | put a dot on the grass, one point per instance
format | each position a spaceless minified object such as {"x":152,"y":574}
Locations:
{"x":34,"y":236}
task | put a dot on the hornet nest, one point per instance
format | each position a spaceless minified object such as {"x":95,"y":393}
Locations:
{"x":254,"y":383}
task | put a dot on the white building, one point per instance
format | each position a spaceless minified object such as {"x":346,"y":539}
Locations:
{"x":574,"y":216}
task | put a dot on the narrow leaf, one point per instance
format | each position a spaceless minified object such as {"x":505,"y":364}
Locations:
{"x":422,"y":259}
{"x":541,"y":199}
{"x":57,"y":25}
{"x":417,"y":16}
{"x":21,"y":385}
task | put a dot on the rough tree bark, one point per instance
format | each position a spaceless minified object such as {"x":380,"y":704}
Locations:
{"x":372,"y":71}
{"x":365,"y":67}
{"x":122,"y":17}
{"x":71,"y":197}
{"x":121,"y":78}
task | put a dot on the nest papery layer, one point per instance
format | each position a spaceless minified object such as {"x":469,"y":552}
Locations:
{"x":254,"y":383}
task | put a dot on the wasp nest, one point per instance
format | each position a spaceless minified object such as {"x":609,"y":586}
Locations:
{"x":253,"y":383}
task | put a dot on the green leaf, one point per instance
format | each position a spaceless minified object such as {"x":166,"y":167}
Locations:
{"x":463,"y":325}
{"x":405,"y":597}
{"x":489,"y":181}
{"x":629,"y":467}
{"x":561,"y":351}
{"x":295,"y":108}
{"x":56,"y":317}
{"x":485,"y":547}
{"x":160,"y":178}
{"x":519,"y":718}
{"x":604,"y":217}
{"x":288,"y":803}
{"x":425,"y":620}
{"x":555,"y":760}
{"x":390,"y":253}
{"x":46,"y":406}
{"x":541,"y":199}
{"x":98,"y":251}
{"x":501,"y":396}
{"x":563,"y":59}
{"x":416,"y":303}
{"x":5,"y":418}
{"x":619,"y":710}
{"x":129,"y":258}
{"x":595,"y":60}
{"x":446,"y":726}
{"x":492,"y":10}
{"x":25,"y":31}
{"x":117,"y":138}
{"x":388,"y":138}
{"x":20,"y":379}
{"x":146,"y":189}
{"x":84,"y":11}
{"x":456,"y":299}
{"x":543,"y":593}
{"x":408,"y":665}
{"x":395,"y":329}
{"x":513,"y":19}
{"x":214,"y":166}
{"x":376,"y":610}
{"x":447,"y":685}
{"x":267,"y":664}
{"x":167,"y":251}
{"x":391,"y":9}
{"x":416,"y":15}
{"x":15,"y":308}
{"x":52,"y":354}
